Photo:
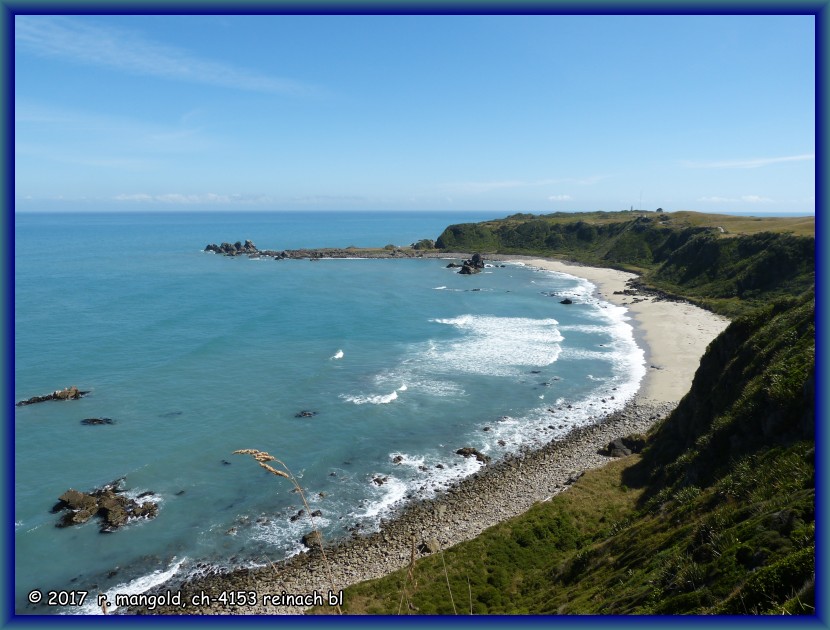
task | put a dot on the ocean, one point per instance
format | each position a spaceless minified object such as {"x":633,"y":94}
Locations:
{"x":194,"y":355}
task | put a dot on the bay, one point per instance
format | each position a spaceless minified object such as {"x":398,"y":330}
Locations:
{"x":195,"y":355}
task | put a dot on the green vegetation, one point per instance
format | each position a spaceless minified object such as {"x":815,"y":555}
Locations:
{"x":727,"y":264}
{"x":424,"y":243}
{"x":717,"y":515}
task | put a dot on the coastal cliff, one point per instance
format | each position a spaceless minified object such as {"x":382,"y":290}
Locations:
{"x":729,"y":270}
{"x":717,"y":514}
{"x":709,"y":511}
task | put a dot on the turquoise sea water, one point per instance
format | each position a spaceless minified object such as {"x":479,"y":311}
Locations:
{"x":194,"y":355}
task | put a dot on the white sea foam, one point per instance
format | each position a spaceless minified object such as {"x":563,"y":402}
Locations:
{"x":134,"y":587}
{"x":499,"y":346}
{"x":377,"y":399}
{"x":502,"y":346}
{"x":147,"y":498}
{"x":408,"y":460}
{"x":337,"y":355}
{"x":285,"y":534}
{"x":389,"y":495}
{"x":418,"y":382}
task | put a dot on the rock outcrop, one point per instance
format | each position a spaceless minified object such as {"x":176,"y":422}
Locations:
{"x":97,"y":421}
{"x":313,"y":540}
{"x":624,"y":446}
{"x":474,"y":265}
{"x":469,"y":451}
{"x":109,"y":503}
{"x":68,"y":393}
{"x":236,"y":249}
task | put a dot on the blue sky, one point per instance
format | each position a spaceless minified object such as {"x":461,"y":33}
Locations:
{"x":512,"y":113}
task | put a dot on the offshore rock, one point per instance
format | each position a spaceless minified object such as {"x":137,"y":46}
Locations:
{"x":68,"y":393}
{"x":97,"y":421}
{"x":474,"y":265}
{"x":228,"y":249}
{"x":108,"y":503}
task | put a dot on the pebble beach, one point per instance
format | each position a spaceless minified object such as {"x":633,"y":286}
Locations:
{"x":674,"y":333}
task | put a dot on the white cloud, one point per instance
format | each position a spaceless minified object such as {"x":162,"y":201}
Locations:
{"x":756,"y":199}
{"x":136,"y":197}
{"x":559,"y":198}
{"x":192,"y":199}
{"x":751,"y":162}
{"x":84,"y":42}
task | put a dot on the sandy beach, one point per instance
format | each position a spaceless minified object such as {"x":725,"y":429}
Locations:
{"x":674,"y":335}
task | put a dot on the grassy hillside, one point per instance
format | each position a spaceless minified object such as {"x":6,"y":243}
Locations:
{"x":725,"y":263}
{"x":716,"y":516}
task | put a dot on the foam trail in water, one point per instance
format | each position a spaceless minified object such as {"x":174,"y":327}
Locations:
{"x":392,"y":492}
{"x":380,"y":399}
{"x":135,"y":587}
{"x":337,"y":355}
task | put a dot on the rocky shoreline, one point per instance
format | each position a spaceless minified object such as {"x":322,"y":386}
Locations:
{"x":250,"y":250}
{"x":496,"y":493}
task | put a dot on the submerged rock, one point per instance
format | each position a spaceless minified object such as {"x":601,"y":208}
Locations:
{"x":97,"y":421}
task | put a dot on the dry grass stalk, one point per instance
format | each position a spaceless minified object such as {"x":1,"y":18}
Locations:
{"x":261,"y":457}
{"x":410,"y":576}
{"x":449,"y":588}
